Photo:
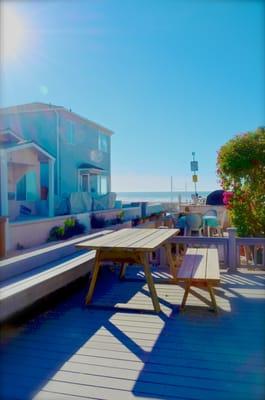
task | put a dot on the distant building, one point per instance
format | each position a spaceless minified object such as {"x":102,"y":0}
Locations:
{"x":48,"y":153}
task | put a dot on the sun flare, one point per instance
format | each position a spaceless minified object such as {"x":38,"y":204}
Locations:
{"x":13,"y":33}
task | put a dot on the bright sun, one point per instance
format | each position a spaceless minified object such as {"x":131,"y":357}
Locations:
{"x":13,"y":33}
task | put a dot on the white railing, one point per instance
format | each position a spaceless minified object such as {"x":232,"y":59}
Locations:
{"x":234,"y":252}
{"x":221,"y":243}
{"x":250,"y":252}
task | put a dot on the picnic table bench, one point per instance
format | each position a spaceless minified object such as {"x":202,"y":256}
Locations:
{"x":200,"y":267}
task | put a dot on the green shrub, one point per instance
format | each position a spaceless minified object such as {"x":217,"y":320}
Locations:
{"x":241,"y":168}
{"x":71,"y":227}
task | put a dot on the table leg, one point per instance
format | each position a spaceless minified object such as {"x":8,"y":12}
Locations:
{"x":150,"y":282}
{"x":94,"y":278}
{"x":187,"y":289}
{"x":210,"y":289}
{"x":122,"y":270}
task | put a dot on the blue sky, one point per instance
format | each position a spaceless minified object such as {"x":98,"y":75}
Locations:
{"x":168,"y":77}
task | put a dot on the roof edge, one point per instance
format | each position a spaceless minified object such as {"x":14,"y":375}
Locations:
{"x":45,"y":107}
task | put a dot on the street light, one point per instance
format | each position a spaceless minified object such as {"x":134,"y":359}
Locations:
{"x":194,"y":168}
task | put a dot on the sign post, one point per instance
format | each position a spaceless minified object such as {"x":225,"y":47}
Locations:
{"x":194,"y":169}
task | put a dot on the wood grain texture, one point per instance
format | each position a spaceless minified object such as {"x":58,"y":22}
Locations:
{"x":132,"y":238}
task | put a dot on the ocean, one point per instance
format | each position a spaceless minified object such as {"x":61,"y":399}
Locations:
{"x":129,"y":197}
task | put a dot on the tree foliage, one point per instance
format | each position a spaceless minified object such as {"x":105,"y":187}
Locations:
{"x":241,"y":168}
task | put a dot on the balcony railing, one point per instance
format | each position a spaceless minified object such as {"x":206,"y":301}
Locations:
{"x":234,"y":252}
{"x":251,"y":252}
{"x":221,"y":243}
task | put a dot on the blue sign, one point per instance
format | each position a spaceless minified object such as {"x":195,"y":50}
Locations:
{"x":194,"y":166}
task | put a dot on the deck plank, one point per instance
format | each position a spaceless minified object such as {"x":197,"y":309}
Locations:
{"x":212,"y":270}
{"x":74,"y":352}
{"x":200,"y":264}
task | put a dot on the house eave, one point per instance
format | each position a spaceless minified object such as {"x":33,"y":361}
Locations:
{"x":27,"y":145}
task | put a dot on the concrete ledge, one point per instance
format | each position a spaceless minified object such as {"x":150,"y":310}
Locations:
{"x":17,"y":265}
{"x":24,"y":292}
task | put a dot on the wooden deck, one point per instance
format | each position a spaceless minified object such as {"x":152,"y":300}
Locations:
{"x":76,"y":352}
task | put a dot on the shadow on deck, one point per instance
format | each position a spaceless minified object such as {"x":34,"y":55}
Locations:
{"x":71,"y":351}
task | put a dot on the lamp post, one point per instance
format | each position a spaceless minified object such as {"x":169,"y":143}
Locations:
{"x":194,"y":168}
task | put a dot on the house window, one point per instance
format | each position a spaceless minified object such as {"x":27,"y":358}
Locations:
{"x":102,"y":184}
{"x":26,"y":188}
{"x":103,"y":143}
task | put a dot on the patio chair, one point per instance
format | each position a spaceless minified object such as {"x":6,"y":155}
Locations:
{"x":193,"y":224}
{"x":210,"y":221}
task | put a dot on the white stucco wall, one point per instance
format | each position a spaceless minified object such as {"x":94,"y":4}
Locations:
{"x":35,"y":232}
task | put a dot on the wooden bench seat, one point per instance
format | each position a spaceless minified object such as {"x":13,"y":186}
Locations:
{"x":24,"y":290}
{"x":200,"y":267}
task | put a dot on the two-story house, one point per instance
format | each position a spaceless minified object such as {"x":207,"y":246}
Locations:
{"x":49,"y":153}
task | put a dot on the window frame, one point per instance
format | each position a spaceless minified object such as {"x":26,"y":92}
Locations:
{"x":28,"y":194}
{"x":102,"y":138}
{"x":99,"y":184}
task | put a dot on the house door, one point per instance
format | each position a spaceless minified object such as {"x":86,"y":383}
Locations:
{"x":85,"y":183}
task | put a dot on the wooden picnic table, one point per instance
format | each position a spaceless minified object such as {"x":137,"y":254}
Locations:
{"x":131,"y":245}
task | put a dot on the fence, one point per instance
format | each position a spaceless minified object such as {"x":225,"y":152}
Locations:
{"x":221,"y":243}
{"x":234,"y":252}
{"x":250,"y":252}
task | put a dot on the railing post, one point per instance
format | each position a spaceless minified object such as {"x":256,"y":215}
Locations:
{"x":162,"y":256}
{"x":232,"y":250}
{"x":3,"y":239}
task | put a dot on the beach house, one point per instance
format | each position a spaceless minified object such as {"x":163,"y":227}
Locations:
{"x":54,"y":162}
{"x":47,"y":154}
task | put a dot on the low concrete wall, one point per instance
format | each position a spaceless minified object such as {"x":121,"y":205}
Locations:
{"x":129,"y":213}
{"x":34,"y":232}
{"x":152,"y":208}
{"x":116,"y":227}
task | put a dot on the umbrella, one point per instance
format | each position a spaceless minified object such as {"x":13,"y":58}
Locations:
{"x":215,"y":198}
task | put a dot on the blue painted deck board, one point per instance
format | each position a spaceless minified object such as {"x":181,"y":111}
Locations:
{"x":76,"y":352}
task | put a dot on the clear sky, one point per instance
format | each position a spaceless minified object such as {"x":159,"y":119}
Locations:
{"x":168,"y":77}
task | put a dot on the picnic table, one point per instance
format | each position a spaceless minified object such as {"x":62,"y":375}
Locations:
{"x":131,"y":245}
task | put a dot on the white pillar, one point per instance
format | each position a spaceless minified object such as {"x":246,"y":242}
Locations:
{"x":4,"y":183}
{"x":51,"y":188}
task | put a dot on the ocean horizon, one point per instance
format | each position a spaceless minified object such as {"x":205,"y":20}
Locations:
{"x":158,"y":196}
